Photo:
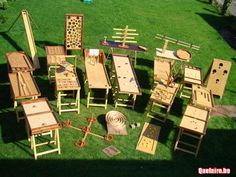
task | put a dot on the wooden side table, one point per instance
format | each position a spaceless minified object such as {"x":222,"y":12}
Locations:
{"x":193,"y":126}
{"x":40,"y":119}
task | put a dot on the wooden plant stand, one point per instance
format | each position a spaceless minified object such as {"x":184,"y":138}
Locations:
{"x":192,"y":75}
{"x":40,"y":120}
{"x":86,"y":131}
{"x":192,"y":129}
{"x":96,"y":77}
{"x":162,"y":97}
{"x":23,"y":86}
{"x":67,"y":81}
{"x":125,"y":81}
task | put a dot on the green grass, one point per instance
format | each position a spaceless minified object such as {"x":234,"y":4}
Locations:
{"x":192,"y":21}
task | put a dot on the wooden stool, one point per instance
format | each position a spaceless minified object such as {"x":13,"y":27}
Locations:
{"x":23,"y":86}
{"x":192,"y":75}
{"x":202,"y":97}
{"x":55,"y":55}
{"x":67,"y":81}
{"x":97,"y":78}
{"x":193,"y":126}
{"x":162,"y":97}
{"x":40,"y":120}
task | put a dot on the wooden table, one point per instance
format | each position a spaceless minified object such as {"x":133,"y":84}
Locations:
{"x":202,"y":97}
{"x":18,"y":61}
{"x":55,"y":55}
{"x":125,"y":81}
{"x":117,"y":45}
{"x":67,"y":80}
{"x":162,"y":97}
{"x":40,"y":120}
{"x":192,"y":75}
{"x":96,"y":77}
{"x":23,"y":86}
{"x":169,"y":54}
{"x":194,"y":125}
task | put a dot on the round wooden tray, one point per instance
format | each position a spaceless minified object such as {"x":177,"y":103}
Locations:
{"x":183,"y":54}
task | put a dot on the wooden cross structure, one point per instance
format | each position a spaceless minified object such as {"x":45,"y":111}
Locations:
{"x":125,"y":36}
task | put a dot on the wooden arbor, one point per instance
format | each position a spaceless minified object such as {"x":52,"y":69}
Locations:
{"x":96,"y":76}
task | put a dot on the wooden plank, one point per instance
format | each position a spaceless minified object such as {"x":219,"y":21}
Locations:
{"x":125,"y":74}
{"x":218,"y":76}
{"x":74,"y":31}
{"x":30,"y":37}
{"x":147,"y":144}
{"x":55,"y":50}
{"x":193,"y":125}
{"x":96,"y":72}
{"x":19,"y":61}
{"x":23,"y":85}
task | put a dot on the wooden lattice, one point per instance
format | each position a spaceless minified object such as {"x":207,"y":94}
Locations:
{"x":74,"y":31}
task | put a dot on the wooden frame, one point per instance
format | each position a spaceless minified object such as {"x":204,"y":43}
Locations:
{"x":18,"y":61}
{"x":162,"y":97}
{"x":67,"y":81}
{"x":192,"y":75}
{"x":23,"y":86}
{"x":96,"y":77}
{"x":218,"y":76}
{"x":193,"y":125}
{"x":202,"y":97}
{"x":74,"y":24}
{"x":125,"y":81}
{"x":40,"y":120}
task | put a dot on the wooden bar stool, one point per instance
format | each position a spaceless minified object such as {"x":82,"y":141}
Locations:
{"x":191,"y":130}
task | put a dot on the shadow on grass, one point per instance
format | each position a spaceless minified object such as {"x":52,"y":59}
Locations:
{"x":11,"y":41}
{"x":177,"y":107}
{"x":42,"y":44}
{"x":145,"y":62}
{"x":212,"y":154}
{"x":222,"y":25}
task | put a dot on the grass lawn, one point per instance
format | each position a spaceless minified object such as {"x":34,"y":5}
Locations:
{"x":192,"y":21}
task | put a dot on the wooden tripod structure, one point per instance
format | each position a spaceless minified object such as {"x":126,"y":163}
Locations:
{"x":33,"y":50}
{"x":124,"y":36}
